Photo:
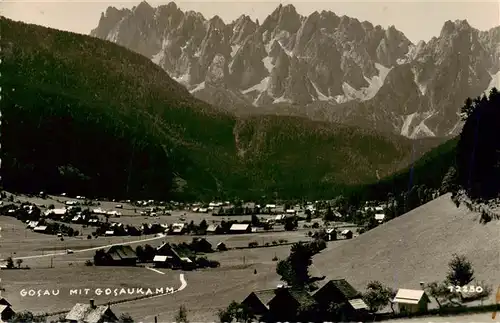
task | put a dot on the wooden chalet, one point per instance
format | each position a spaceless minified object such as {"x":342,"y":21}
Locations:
{"x":239,"y":228}
{"x":120,"y":256}
{"x":91,"y":313}
{"x":339,"y":291}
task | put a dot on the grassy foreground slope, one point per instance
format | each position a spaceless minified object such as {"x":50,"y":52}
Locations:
{"x":416,"y":247}
{"x":89,"y":117}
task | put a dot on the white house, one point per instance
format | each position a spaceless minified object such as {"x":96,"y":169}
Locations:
{"x":411,"y":300}
{"x":380,"y":217}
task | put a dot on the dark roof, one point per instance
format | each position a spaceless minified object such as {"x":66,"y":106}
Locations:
{"x":85,"y":313}
{"x":3,"y":301}
{"x":302,"y":297}
{"x":121,"y":252}
{"x":344,"y":287}
{"x":265,"y":295}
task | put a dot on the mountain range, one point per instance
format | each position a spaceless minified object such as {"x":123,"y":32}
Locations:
{"x":324,"y":66}
{"x":90,"y":117}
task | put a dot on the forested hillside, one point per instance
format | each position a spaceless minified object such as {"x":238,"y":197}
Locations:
{"x":89,"y":117}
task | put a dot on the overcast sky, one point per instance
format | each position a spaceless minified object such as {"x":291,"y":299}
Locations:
{"x":417,"y":20}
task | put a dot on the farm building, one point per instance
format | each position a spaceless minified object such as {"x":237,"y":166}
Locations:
{"x":380,"y":217}
{"x":347,"y":234}
{"x":286,"y":303}
{"x":177,"y":228}
{"x":258,"y":301}
{"x":40,"y":229}
{"x":109,"y":233}
{"x":411,"y":301}
{"x":56,"y":212}
{"x":6,"y":313}
{"x":214,"y":229}
{"x":331,"y":234}
{"x":32,"y":224}
{"x":280,"y":217}
{"x":340,"y":291}
{"x":201,"y":245}
{"x":91,"y":313}
{"x":221,"y":246}
{"x":240,"y":228}
{"x":173,"y":258}
{"x":120,"y":256}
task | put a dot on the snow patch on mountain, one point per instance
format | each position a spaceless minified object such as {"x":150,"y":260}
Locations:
{"x":260,"y":87}
{"x":268,"y":63}
{"x":199,"y":87}
{"x":235,"y":49}
{"x":405,"y":129}
{"x":183,"y":79}
{"x":375,"y":82}
{"x":158,"y":57}
{"x":422,"y":87}
{"x":422,"y":131}
{"x":321,"y":96}
{"x":364,"y":93}
{"x":282,"y":99}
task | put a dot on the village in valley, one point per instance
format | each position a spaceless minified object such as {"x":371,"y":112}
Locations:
{"x":233,"y":249}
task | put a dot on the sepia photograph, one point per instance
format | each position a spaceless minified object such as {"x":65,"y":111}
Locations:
{"x":249,"y":161}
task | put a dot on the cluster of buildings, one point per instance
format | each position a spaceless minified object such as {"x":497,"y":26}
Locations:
{"x":283,"y":302}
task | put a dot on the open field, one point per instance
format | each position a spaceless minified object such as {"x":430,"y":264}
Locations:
{"x":417,"y":247}
{"x":207,"y":290}
{"x":233,"y":280}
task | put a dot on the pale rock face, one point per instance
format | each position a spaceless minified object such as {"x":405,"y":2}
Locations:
{"x":327,"y":67}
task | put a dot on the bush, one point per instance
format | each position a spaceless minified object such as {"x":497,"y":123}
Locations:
{"x":89,"y":263}
{"x":267,"y":244}
{"x":89,"y":237}
{"x":274,"y":242}
{"x":253,"y":244}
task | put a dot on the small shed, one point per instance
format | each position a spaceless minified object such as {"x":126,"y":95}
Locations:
{"x":91,"y":313}
{"x":347,"y":234}
{"x":6,"y":313}
{"x":221,"y":246}
{"x":40,"y":229}
{"x":411,"y":301}
{"x":214,"y":229}
{"x":331,"y":234}
{"x":380,"y":217}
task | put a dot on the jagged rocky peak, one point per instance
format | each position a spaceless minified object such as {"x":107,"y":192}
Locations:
{"x":451,"y":27}
{"x":109,"y":19}
{"x":283,"y":18}
{"x":143,"y":8}
{"x":242,"y":28}
{"x":294,"y":59}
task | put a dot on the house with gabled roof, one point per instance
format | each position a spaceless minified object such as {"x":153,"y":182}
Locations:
{"x":286,"y":303}
{"x":240,"y":228}
{"x":258,"y":301}
{"x":121,"y":255}
{"x":6,"y":311}
{"x":411,"y":301}
{"x":339,"y":291}
{"x":170,"y":258}
{"x":214,"y":229}
{"x":177,"y":228}
{"x":91,"y":313}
